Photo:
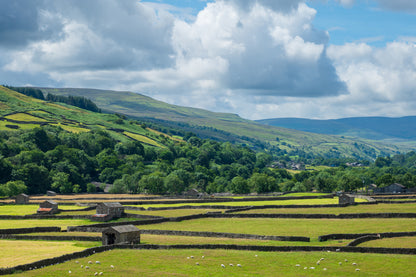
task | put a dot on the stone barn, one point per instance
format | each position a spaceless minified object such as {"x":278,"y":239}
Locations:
{"x":125,"y":234}
{"x":48,"y":207}
{"x":50,"y":193}
{"x":107,"y":211}
{"x":345,"y":199}
{"x":22,"y":199}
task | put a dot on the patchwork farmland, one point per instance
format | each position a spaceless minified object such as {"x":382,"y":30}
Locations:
{"x":221,"y":237}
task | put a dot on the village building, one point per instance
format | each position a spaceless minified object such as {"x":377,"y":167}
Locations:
{"x":393,"y":188}
{"x":108,"y":211}
{"x":48,"y":207}
{"x":193,"y":193}
{"x":346,"y":199}
{"x":125,"y":234}
{"x":22,"y":199}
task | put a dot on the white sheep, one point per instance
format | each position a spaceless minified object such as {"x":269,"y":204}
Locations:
{"x":112,"y":266}
{"x":203,"y":257}
{"x":357,"y":269}
{"x":239,"y":265}
{"x":69,"y":271}
{"x":100,"y":273}
{"x":87,"y":267}
{"x":197,"y":263}
{"x":89,"y":262}
{"x":354,"y":263}
{"x":222,"y":265}
{"x":297,"y":265}
{"x":231,"y":265}
{"x":97,"y":262}
{"x":96,"y":273}
{"x":324,"y":268}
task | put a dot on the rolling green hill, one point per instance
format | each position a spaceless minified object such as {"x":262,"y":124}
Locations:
{"x":229,"y":127}
{"x":18,"y":111}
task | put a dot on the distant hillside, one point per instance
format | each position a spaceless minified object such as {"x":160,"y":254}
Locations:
{"x":19,"y":111}
{"x":376,"y":128}
{"x":229,"y":127}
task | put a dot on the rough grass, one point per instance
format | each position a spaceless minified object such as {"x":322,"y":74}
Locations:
{"x":18,"y":209}
{"x":176,"y":263}
{"x":290,"y":227}
{"x":25,"y":117}
{"x":143,"y":139}
{"x":15,"y":252}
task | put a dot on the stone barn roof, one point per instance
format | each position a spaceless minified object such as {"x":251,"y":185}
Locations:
{"x":123,"y":229}
{"x":112,"y":205}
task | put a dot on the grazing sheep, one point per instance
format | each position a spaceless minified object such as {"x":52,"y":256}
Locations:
{"x":69,"y":271}
{"x":192,"y":257}
{"x":312,"y":267}
{"x":77,"y":262}
{"x":297,"y":265}
{"x":222,"y":265}
{"x":255,"y":256}
{"x":231,"y":265}
{"x":357,"y":269}
{"x":82,"y":266}
{"x":340,"y":263}
{"x":203,"y":257}
{"x":87,"y":267}
{"x":239,"y":265}
{"x":112,"y":266}
{"x":324,"y":268}
{"x":100,"y":273}
{"x":97,"y":262}
{"x":96,"y":273}
{"x":318,"y":262}
{"x":197,"y":263}
{"x":89,"y":262}
{"x":354,"y":263}
{"x":305,"y":267}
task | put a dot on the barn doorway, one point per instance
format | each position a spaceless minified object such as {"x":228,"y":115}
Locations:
{"x":111,"y":239}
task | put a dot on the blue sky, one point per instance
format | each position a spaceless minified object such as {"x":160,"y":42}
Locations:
{"x":257,"y":58}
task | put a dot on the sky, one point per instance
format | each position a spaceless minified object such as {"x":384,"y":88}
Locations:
{"x":260,"y":59}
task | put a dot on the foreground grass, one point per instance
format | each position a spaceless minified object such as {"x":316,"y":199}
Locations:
{"x":180,"y":263}
{"x":290,"y":227}
{"x":15,"y":252}
{"x":376,"y":208}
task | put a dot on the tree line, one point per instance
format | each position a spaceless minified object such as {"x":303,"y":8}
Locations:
{"x":50,"y":158}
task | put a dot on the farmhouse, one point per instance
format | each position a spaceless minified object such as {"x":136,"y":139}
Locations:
{"x":346,"y":199}
{"x":22,"y":199}
{"x":48,"y":207}
{"x":393,"y":188}
{"x":125,"y":234}
{"x":107,"y":211}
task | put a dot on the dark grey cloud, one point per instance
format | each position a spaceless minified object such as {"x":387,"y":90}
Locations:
{"x":22,"y":22}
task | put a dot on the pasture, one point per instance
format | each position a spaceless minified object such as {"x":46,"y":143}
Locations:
{"x":180,"y":263}
{"x":175,"y":262}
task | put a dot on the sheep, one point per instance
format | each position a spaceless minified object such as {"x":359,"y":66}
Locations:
{"x":197,"y":263}
{"x":324,"y":269}
{"x":89,"y":262}
{"x":96,"y":273}
{"x":354,"y":263}
{"x":231,"y":265}
{"x":87,"y":267}
{"x":346,"y":260}
{"x":82,"y":266}
{"x":100,"y":273}
{"x":297,"y":265}
{"x":97,"y":262}
{"x":340,"y":263}
{"x":69,"y":271}
{"x":357,"y":269}
{"x":77,"y":262}
{"x":312,"y":267}
{"x":239,"y":265}
{"x":112,"y":266}
{"x":192,"y":257}
{"x":222,"y":265}
{"x":203,"y":257}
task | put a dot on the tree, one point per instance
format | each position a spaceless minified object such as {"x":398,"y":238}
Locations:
{"x":262,"y":183}
{"x":60,"y":181}
{"x":239,"y":185}
{"x":13,"y":188}
{"x":152,"y":183}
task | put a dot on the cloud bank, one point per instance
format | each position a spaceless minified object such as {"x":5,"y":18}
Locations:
{"x":259,"y":59}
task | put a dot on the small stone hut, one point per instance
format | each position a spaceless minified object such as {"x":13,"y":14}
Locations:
{"x":107,"y":211}
{"x":192,"y":193}
{"x":345,"y":198}
{"x":125,"y":234}
{"x":22,"y":199}
{"x":48,"y":207}
{"x":50,"y":193}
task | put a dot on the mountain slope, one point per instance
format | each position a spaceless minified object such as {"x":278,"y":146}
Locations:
{"x":18,"y":111}
{"x":377,"y":128}
{"x":227,"y":127}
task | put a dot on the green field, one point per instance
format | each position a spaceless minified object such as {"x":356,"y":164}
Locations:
{"x":290,"y":227}
{"x":376,"y":208}
{"x":16,"y":252}
{"x":179,"y":263}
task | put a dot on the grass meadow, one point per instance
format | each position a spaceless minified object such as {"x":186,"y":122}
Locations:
{"x":180,"y":263}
